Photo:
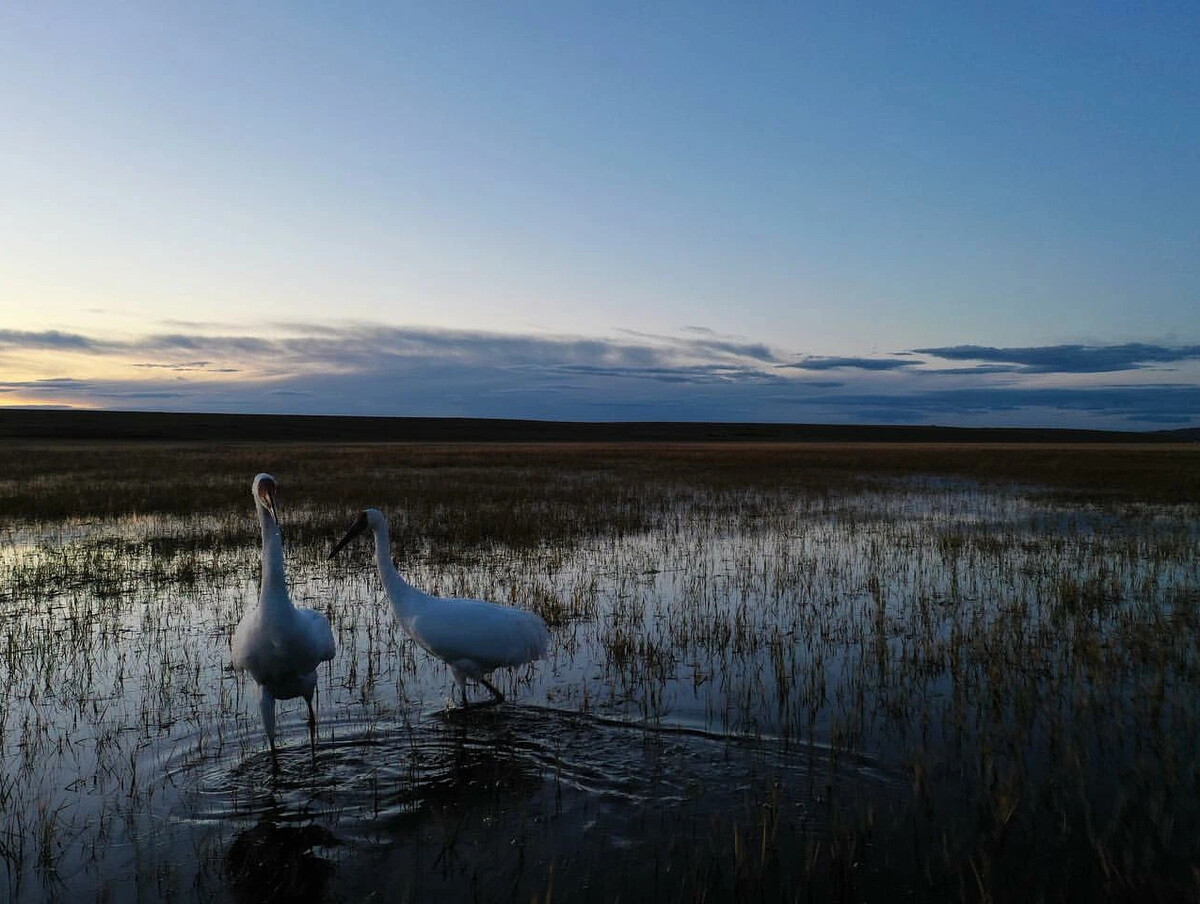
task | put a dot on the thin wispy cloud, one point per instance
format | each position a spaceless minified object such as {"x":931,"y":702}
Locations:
{"x":709,"y":343}
{"x":975,"y":370}
{"x":76,"y":391}
{"x":186,"y":367}
{"x":714,"y":373}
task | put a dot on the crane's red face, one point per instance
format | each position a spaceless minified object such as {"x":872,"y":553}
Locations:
{"x":264,"y":488}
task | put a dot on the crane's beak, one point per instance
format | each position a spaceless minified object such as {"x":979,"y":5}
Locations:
{"x":359,"y":525}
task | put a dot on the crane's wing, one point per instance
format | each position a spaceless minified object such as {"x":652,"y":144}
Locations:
{"x":241,"y":644}
{"x":318,"y":635}
{"x":487,"y":634}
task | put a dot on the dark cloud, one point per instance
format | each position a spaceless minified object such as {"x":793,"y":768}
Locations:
{"x":47,"y":340}
{"x":1070,"y":359}
{"x":429,"y":389}
{"x":1174,"y":420}
{"x":55,"y":340}
{"x":755,"y":350}
{"x":380,"y":370}
{"x":1150,"y":403}
{"x":818,"y":362}
{"x":55,"y":384}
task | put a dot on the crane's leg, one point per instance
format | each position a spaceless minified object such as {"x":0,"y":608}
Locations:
{"x":312,"y":729}
{"x":497,"y":697}
{"x":461,"y":679}
{"x":267,"y":705}
{"x":312,"y":719}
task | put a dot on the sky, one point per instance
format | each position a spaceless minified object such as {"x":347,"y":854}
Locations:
{"x":585,"y":211}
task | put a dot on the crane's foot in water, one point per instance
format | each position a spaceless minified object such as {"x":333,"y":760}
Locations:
{"x":495,"y":700}
{"x":478,"y":704}
{"x":497,"y":697}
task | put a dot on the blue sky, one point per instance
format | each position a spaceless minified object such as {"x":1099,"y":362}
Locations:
{"x":605,"y":211}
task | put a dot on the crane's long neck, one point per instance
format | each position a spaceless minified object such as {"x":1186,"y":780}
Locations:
{"x":404,"y":596}
{"x":274,"y":584}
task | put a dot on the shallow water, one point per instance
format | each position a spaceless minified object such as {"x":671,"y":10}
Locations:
{"x":906,"y":684}
{"x":440,"y":804}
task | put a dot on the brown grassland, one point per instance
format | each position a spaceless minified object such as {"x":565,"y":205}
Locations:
{"x":502,"y":486}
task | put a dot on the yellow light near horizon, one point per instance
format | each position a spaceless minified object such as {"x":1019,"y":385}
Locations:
{"x":28,"y":366}
{"x":22,"y":372}
{"x":18,"y":401}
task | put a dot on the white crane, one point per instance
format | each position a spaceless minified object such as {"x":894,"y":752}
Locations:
{"x":473,"y":637}
{"x":278,"y":644}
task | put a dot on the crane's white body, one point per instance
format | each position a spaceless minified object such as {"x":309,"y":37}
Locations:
{"x":277,"y":643}
{"x":471,"y":636}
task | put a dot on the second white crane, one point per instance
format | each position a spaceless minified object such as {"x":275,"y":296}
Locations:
{"x":471,"y":636}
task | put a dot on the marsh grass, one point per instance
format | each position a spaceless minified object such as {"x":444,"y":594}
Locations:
{"x":502,"y":491}
{"x":973,"y":670}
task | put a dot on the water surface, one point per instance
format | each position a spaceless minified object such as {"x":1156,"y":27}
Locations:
{"x":914,"y":682}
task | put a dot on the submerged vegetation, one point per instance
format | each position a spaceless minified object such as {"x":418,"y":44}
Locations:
{"x":777,"y":671}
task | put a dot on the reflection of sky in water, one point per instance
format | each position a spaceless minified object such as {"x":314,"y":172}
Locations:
{"x":749,"y":644}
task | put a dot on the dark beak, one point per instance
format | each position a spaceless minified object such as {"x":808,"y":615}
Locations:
{"x":356,"y":528}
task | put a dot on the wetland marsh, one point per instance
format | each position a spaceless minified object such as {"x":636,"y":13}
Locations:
{"x":777,"y":672}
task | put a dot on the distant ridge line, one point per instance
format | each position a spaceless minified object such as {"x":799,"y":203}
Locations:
{"x":57,"y":424}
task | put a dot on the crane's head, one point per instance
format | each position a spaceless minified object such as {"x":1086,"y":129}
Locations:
{"x":369,"y":518}
{"x":264,"y":494}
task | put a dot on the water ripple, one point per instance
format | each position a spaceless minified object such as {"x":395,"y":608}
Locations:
{"x":365,"y":779}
